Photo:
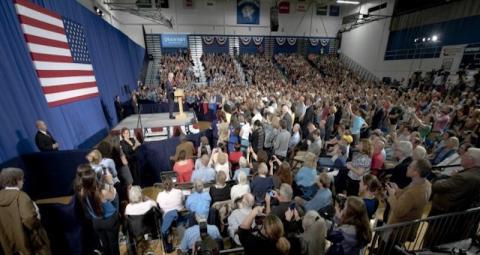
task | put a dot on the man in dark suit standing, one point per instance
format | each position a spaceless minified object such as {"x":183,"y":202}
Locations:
{"x":170,"y":94}
{"x":43,"y":139}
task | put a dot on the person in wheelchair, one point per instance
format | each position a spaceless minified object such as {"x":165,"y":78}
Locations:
{"x":142,"y":221}
{"x":197,"y":233}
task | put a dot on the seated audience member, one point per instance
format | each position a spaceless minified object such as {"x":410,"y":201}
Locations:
{"x":460,"y":191}
{"x":43,"y":139}
{"x":306,"y":176}
{"x":261,"y":184}
{"x":192,"y":234}
{"x":370,"y":188}
{"x":419,"y":153}
{"x":204,"y":172}
{"x":170,"y":198}
{"x":244,"y":168}
{"x":198,"y":161}
{"x":204,"y":144}
{"x":454,"y":159}
{"x":314,"y":234}
{"x":322,"y":198}
{"x":353,"y":231}
{"x":271,"y":239}
{"x":220,"y":191}
{"x":403,"y":153}
{"x":110,"y":148}
{"x":450,"y":147}
{"x":284,"y":197}
{"x":22,"y":231}
{"x":241,"y":188}
{"x":238,"y":216}
{"x":338,"y":159}
{"x":280,"y":143}
{"x":235,"y":156}
{"x":100,"y":202}
{"x":184,"y":145}
{"x":378,"y":158}
{"x":282,"y":175}
{"x":407,"y":204}
{"x":183,"y":167}
{"x":137,"y":204}
{"x":98,"y":164}
{"x":199,"y":201}
{"x":359,"y":166}
{"x":222,"y":165}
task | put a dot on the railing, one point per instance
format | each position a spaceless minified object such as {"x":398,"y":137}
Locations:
{"x":425,"y":233}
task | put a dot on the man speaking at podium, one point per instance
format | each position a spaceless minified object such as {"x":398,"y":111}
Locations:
{"x":170,"y":94}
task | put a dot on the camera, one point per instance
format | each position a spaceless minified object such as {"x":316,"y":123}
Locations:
{"x":340,"y":200}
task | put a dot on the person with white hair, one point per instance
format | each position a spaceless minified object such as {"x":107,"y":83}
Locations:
{"x":241,"y":188}
{"x":204,"y":172}
{"x":244,"y":167}
{"x":238,"y":216}
{"x":261,"y":183}
{"x":403,"y":153}
{"x":199,"y":201}
{"x":285,"y":198}
{"x":460,"y":191}
{"x":449,"y":149}
{"x":137,"y":204}
{"x":314,"y":234}
{"x":419,"y":153}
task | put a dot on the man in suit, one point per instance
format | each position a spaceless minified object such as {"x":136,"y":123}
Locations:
{"x":43,"y":139}
{"x":308,"y":117}
{"x":169,"y":88}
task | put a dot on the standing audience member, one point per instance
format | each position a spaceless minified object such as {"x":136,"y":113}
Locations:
{"x":403,"y":153}
{"x":271,"y":238}
{"x":100,"y":202}
{"x":370,"y":188}
{"x":261,"y":184}
{"x":280,"y":144}
{"x":129,"y":146}
{"x":22,"y":231}
{"x":359,"y":166}
{"x":238,"y":216}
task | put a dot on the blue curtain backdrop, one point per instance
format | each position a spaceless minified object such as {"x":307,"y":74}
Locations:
{"x":116,"y":60}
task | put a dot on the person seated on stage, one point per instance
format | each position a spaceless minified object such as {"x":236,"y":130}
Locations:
{"x":43,"y":139}
{"x":100,"y":164}
{"x":183,"y":167}
{"x":199,"y":201}
{"x":185,"y":145}
{"x":138,"y":205}
{"x":204,"y":172}
{"x":22,"y":231}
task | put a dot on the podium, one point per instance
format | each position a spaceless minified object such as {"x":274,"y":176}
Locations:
{"x":179,"y":94}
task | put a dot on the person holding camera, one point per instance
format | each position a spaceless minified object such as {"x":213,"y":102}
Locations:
{"x":198,"y":232}
{"x":100,"y":202}
{"x":270,"y":238}
{"x":353,"y":231}
{"x":284,"y":197}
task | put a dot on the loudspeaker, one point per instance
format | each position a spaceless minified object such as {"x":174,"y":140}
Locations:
{"x":274,"y":19}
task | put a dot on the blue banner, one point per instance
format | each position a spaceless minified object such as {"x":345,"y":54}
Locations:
{"x":174,"y":41}
{"x":248,"y":12}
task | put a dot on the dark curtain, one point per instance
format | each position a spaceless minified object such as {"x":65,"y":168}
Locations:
{"x":116,"y":61}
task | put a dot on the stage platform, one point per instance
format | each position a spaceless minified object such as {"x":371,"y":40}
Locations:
{"x":154,"y":120}
{"x":157,"y":126}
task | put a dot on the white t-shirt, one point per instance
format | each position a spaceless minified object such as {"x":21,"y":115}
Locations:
{"x":139,"y":208}
{"x":224,"y":168}
{"x":172,"y":200}
{"x":245,"y":131}
{"x":239,"y":190}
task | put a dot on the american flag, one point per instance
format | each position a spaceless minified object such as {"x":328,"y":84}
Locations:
{"x":59,"y":53}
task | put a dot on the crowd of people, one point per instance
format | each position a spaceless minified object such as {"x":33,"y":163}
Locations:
{"x":220,"y":69}
{"x":293,"y":163}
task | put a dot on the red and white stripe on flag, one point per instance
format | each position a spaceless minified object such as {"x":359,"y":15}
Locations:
{"x":63,"y":80}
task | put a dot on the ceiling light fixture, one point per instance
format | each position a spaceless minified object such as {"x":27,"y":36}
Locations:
{"x":347,"y":2}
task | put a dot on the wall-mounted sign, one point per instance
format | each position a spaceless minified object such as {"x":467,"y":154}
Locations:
{"x":174,"y":41}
